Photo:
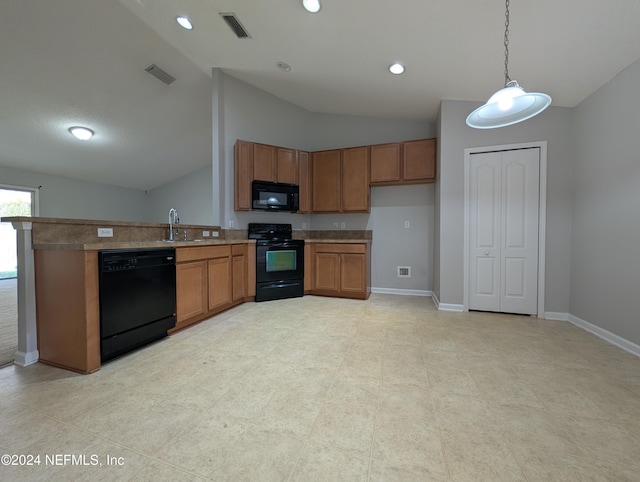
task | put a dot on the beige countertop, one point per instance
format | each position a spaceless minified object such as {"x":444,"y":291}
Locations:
{"x":98,"y":222}
{"x":140,"y":244}
{"x":340,"y":241}
{"x":83,"y":235}
{"x":173,"y":244}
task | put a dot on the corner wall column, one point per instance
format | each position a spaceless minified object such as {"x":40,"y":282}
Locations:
{"x":27,"y":353}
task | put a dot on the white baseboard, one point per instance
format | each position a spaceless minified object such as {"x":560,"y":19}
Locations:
{"x":23,"y":359}
{"x":395,"y":291}
{"x":551,"y":315}
{"x":446,"y":306}
{"x":606,"y":335}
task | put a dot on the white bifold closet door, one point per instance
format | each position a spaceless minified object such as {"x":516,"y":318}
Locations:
{"x":503,"y":231}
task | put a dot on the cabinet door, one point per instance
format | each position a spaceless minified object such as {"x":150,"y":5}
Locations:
{"x":239,"y":289}
{"x":325,"y":181}
{"x":353,"y":273}
{"x":309,"y":267}
{"x":287,"y":165}
{"x":264,"y":162}
{"x":327,"y":272}
{"x":385,"y":163}
{"x":419,"y":160}
{"x":304,"y":178}
{"x":243,"y":175}
{"x":219,"y":282}
{"x":191,"y":290}
{"x":355,"y":180}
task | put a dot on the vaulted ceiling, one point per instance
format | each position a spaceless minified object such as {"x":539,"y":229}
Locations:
{"x":68,"y":62}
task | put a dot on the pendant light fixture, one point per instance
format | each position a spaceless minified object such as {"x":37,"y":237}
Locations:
{"x":510,"y":104}
{"x":82,"y":133}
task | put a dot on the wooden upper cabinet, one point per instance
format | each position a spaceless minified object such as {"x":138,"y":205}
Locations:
{"x":243,"y":175}
{"x":264,"y":162}
{"x":325,"y":181}
{"x":408,"y":162}
{"x":385,"y":163}
{"x":355,"y":180}
{"x":286,"y":165}
{"x":304,"y":178}
{"x":419,"y":160}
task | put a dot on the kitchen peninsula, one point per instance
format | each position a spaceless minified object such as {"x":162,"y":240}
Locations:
{"x":58,"y":278}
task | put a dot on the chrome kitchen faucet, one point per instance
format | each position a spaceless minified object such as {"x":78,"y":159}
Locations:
{"x":173,"y":219}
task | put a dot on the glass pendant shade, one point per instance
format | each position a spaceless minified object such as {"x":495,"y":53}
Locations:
{"x":508,"y":106}
{"x":82,"y":133}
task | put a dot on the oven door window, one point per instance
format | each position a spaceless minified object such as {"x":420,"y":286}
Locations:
{"x":284,"y":260}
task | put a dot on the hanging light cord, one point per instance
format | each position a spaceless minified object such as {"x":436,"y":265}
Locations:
{"x":507,"y":79}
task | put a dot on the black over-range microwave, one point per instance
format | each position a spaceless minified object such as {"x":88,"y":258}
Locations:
{"x":275,"y":196}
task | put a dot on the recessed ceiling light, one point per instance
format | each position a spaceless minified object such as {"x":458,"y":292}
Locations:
{"x":285,"y":67}
{"x":396,"y":68}
{"x":312,"y":6}
{"x":82,"y":133}
{"x":184,"y":22}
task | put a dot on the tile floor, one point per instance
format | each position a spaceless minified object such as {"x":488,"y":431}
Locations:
{"x":314,"y":389}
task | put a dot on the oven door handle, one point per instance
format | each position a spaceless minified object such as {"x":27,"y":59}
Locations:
{"x":284,"y":244}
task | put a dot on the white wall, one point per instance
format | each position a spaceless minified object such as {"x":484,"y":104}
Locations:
{"x":253,"y":115}
{"x":191,"y":195}
{"x":61,"y":197}
{"x":393,"y":245}
{"x":605,"y":253}
{"x":553,"y":126}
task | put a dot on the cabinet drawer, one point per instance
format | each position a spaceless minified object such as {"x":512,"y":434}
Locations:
{"x":340,"y":248}
{"x":238,"y":249}
{"x":202,"y":252}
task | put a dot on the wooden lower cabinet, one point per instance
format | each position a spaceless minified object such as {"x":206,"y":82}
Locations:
{"x":309,"y":268}
{"x":327,"y":268}
{"x":342,"y":270}
{"x":191,"y":290}
{"x":239,"y":268}
{"x":353,"y":272}
{"x":68,"y":309}
{"x":220,"y":282}
{"x":210,"y":279}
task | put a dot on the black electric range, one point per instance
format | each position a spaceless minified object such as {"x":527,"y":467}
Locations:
{"x":279,"y":261}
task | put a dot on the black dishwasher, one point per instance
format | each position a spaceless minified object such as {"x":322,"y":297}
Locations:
{"x":137,"y":298}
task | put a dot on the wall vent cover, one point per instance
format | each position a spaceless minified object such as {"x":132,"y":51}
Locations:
{"x":235,"y":25}
{"x":160,"y":74}
{"x":404,"y":271}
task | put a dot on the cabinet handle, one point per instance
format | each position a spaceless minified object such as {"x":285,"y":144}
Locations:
{"x":486,"y":253}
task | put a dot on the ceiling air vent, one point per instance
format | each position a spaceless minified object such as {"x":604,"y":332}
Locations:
{"x":235,"y":25}
{"x":160,"y":74}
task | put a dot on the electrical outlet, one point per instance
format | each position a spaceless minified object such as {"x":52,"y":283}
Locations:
{"x":304,"y":225}
{"x":216,"y":234}
{"x":205,"y":234}
{"x":343,"y":225}
{"x":231,"y":223}
{"x":335,"y":225}
{"x":105,"y":232}
{"x":407,"y":224}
